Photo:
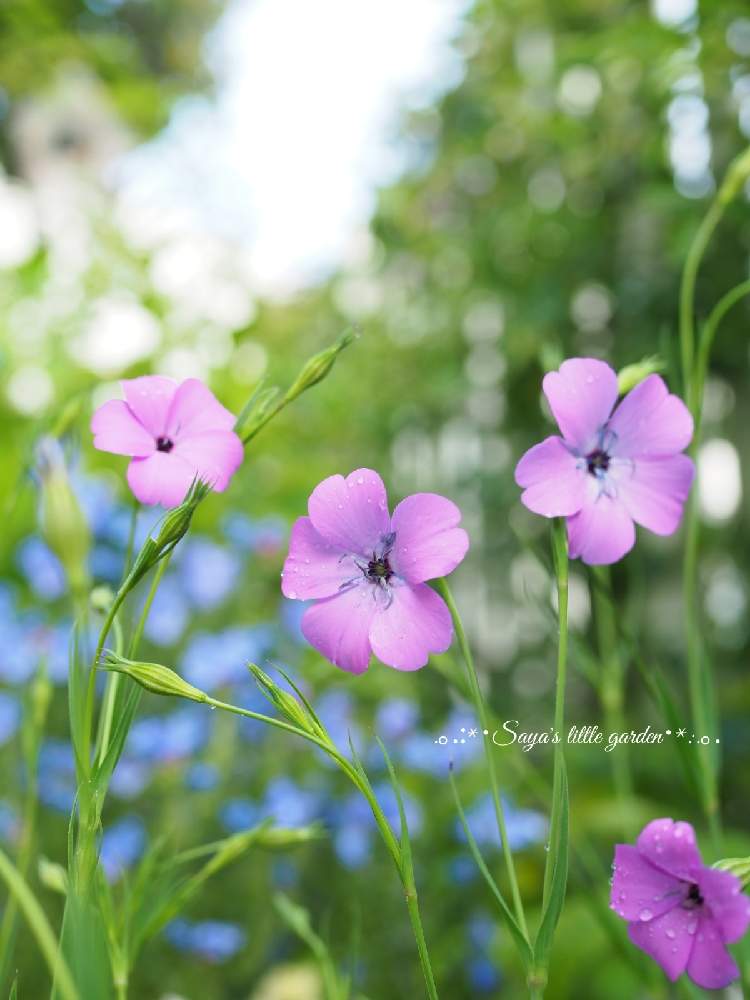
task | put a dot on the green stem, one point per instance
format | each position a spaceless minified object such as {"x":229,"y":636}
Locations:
{"x":39,"y":926}
{"x":560,"y":554}
{"x":612,"y":688}
{"x":481,"y":710}
{"x":382,"y":823}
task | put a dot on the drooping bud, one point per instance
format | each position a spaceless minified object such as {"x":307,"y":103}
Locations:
{"x":629,"y":376}
{"x":296,"y":711}
{"x":152,"y":676}
{"x":63,"y":524}
{"x":172,"y":527}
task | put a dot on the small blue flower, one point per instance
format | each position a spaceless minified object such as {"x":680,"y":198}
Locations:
{"x":122,"y":844}
{"x":10,"y":825}
{"x":483,"y":975}
{"x":212,"y":940}
{"x":216,"y":660}
{"x":209,"y":572}
{"x":41,"y":568}
{"x":525,"y":827}
{"x":169,"y":615}
{"x":290,"y":805}
{"x":396,"y":719}
{"x":239,"y":814}
{"x":202,"y":777}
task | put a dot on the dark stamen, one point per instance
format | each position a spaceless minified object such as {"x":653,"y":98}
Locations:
{"x":164,"y":444}
{"x":693,"y":897}
{"x":379,"y":569}
{"x":597,"y":461}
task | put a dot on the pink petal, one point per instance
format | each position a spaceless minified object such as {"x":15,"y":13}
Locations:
{"x":554,"y":485}
{"x":116,"y":429}
{"x":729,"y":906}
{"x":149,"y":397}
{"x":428,"y":542}
{"x":667,"y":939}
{"x":654,"y":490}
{"x":314,"y":568}
{"x":214,"y":456}
{"x":640,"y":888}
{"x":339,"y":626}
{"x":581,"y":396}
{"x":161,"y":478}
{"x":416,"y":623}
{"x":671,"y":846}
{"x":351,"y":513}
{"x":602,"y":531}
{"x":710,"y":965}
{"x":195,"y":409}
{"x":650,"y":421}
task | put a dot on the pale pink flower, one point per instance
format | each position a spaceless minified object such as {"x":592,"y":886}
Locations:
{"x":173,"y":433}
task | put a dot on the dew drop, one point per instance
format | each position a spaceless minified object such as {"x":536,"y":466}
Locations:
{"x":670,"y":933}
{"x":645,"y":914}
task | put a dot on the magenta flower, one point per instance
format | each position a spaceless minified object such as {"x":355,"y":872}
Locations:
{"x":609,"y":469}
{"x":366,"y":572}
{"x":174,"y":434}
{"x":679,"y":912}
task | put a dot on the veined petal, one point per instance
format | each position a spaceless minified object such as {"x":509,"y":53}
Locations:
{"x":161,"y":478}
{"x":553,"y":484}
{"x":338,"y":627}
{"x":581,"y":395}
{"x":428,"y":541}
{"x":649,"y":421}
{"x":602,"y":531}
{"x":149,"y":397}
{"x":116,"y":429}
{"x":314,"y":568}
{"x":638,"y":888}
{"x":351,"y":513}
{"x":671,"y":846}
{"x":417,"y":622}
{"x":214,"y":456}
{"x":194,"y":409}
{"x":710,"y":964}
{"x":668,"y":939}
{"x":654,"y":490}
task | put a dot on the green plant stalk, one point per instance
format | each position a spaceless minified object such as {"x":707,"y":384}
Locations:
{"x":560,"y":551}
{"x":482,"y":714}
{"x":39,"y":925}
{"x":382,"y":823}
{"x":612,"y":686}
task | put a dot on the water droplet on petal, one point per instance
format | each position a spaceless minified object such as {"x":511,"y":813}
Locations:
{"x":645,"y":914}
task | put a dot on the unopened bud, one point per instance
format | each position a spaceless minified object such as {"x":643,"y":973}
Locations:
{"x":316,"y":369}
{"x":739,"y":867}
{"x":152,"y":676}
{"x":629,"y":376}
{"x":172,"y":527}
{"x":63,"y":525}
{"x":286,"y":703}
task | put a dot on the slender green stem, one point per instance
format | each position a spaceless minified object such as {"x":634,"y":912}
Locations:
{"x":483,"y":716}
{"x":386,"y":832}
{"x":687,"y":289}
{"x":612,"y":687}
{"x":39,"y":926}
{"x":560,"y":553}
{"x":131,"y":537}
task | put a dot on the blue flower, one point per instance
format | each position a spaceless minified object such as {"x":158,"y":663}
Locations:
{"x":209,"y":572}
{"x":10,"y":825}
{"x":483,"y":975}
{"x":396,"y":718}
{"x":525,"y":827}
{"x":122,"y":844}
{"x":41,"y":568}
{"x":212,"y":661}
{"x":290,"y":805}
{"x":57,"y":780}
{"x":239,"y":814}
{"x":202,"y":777}
{"x":162,"y":739}
{"x":169,"y":615}
{"x":213,"y":940}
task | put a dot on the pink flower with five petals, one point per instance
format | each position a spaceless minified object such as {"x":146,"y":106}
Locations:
{"x":173,"y":433}
{"x":612,"y":466}
{"x":680,"y":912}
{"x":366,"y":572}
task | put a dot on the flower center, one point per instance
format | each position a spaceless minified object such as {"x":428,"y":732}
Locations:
{"x":693,"y":897}
{"x":164,"y":444}
{"x":379,"y":569}
{"x":597,"y":462}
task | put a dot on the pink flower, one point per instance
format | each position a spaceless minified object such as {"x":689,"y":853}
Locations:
{"x":174,"y":435}
{"x":366,"y":570}
{"x":609,"y":469}
{"x":679,"y":912}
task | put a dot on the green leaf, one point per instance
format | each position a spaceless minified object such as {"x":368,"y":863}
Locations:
{"x":521,"y":942}
{"x":559,"y":861}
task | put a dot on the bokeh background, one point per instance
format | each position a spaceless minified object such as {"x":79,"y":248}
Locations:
{"x":218,"y":190}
